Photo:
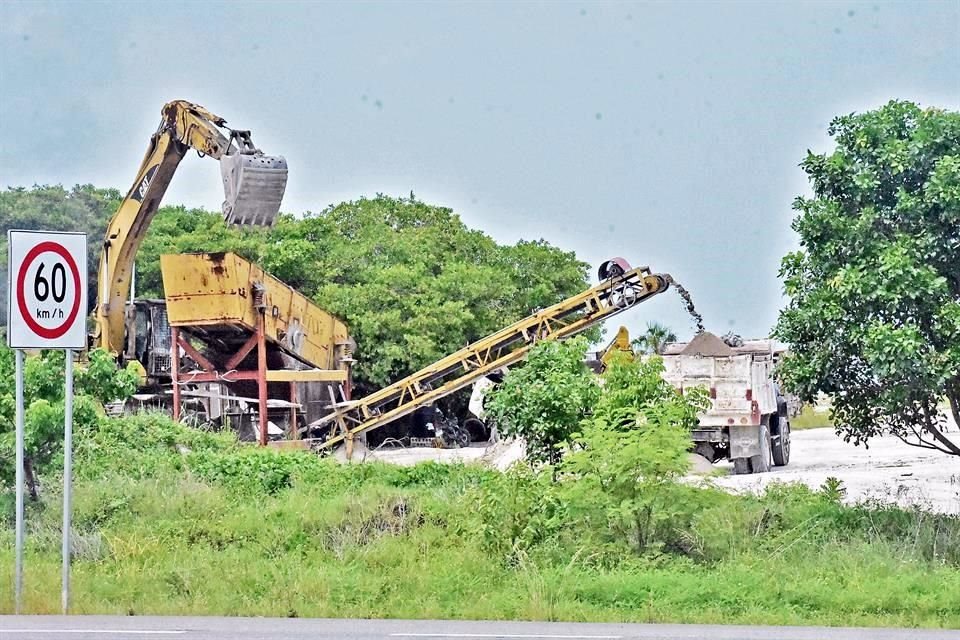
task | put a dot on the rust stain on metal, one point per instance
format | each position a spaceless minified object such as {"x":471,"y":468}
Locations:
{"x":217,"y":259}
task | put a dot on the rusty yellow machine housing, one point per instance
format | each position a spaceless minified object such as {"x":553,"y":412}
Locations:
{"x":222,"y":291}
{"x":246,"y":329}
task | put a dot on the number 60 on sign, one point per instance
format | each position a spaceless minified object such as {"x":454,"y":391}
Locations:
{"x":48,"y":290}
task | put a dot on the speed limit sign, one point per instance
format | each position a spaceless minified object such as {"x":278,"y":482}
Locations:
{"x":47,"y":304}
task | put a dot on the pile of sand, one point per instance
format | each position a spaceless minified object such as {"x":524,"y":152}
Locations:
{"x":700,"y":466}
{"x":707,"y":345}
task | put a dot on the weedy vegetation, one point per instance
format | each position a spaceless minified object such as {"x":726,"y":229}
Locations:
{"x":170,"y":520}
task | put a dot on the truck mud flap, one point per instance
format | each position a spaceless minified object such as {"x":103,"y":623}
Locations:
{"x":744,"y":441}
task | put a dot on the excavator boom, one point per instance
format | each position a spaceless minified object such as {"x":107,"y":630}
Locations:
{"x":253,"y":183}
{"x":618,"y":292}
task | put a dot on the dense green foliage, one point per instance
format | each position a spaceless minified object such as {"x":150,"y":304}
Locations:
{"x":412,"y":282}
{"x":95,"y":382}
{"x":555,"y":403}
{"x":635,"y":397}
{"x":83,"y":208}
{"x":874,"y":313}
{"x":170,"y":520}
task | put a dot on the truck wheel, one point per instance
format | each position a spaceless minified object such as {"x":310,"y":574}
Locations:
{"x":741,"y":466}
{"x":761,"y":463}
{"x":477,"y":429}
{"x":781,"y":448}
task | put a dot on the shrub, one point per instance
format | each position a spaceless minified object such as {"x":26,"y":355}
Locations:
{"x":513,"y":512}
{"x":141,"y":445}
{"x":629,"y":454}
{"x":545,"y":400}
{"x":252,"y":471}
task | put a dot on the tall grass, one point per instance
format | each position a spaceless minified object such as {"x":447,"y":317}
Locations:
{"x":808,"y":418}
{"x":197,"y":525}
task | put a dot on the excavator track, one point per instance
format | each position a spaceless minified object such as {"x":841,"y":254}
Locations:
{"x":613,"y":295}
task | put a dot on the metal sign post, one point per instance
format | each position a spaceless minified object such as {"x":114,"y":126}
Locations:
{"x":46,"y":309}
{"x":18,"y":576}
{"x":67,"y":481}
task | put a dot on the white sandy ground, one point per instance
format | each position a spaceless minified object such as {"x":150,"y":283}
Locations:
{"x":888,"y":470}
{"x":499,"y":455}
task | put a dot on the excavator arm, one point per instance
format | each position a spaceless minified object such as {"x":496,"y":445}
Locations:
{"x":619,"y":344}
{"x":253,"y":183}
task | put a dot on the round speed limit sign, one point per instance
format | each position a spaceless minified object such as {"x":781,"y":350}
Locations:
{"x":48,"y":290}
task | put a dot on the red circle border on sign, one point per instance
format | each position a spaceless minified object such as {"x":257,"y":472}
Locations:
{"x":60,"y":250}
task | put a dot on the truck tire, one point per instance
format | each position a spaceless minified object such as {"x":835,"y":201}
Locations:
{"x":781,"y":448}
{"x":479,"y":432}
{"x":761,"y":463}
{"x":741,"y":466}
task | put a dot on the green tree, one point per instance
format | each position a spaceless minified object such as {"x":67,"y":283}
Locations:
{"x":873,"y":318}
{"x":411,"y":281}
{"x":655,"y":339}
{"x":83,"y":208}
{"x":545,"y":400}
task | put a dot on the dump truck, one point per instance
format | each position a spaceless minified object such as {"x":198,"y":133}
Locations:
{"x":748,"y":420}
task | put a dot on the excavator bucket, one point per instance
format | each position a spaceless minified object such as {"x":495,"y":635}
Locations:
{"x":253,"y":186}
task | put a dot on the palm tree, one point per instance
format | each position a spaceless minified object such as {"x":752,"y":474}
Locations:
{"x":655,"y":339}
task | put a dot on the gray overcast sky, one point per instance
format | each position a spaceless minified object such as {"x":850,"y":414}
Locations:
{"x":668,"y":133}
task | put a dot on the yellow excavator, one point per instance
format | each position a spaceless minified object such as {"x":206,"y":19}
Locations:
{"x":254,"y":184}
{"x":620,"y":344}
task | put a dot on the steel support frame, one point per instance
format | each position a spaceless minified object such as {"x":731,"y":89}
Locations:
{"x":262,"y":377}
{"x":209,"y":373}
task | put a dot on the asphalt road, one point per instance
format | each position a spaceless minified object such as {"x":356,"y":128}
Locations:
{"x":151,"y":628}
